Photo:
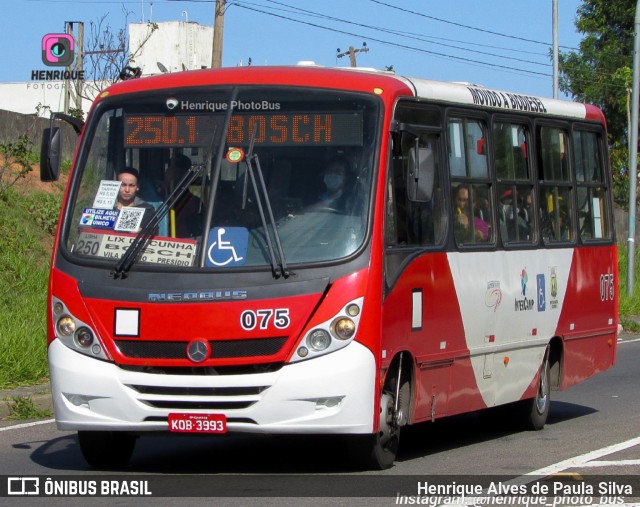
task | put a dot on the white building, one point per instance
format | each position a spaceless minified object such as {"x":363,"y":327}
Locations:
{"x":174,"y":46}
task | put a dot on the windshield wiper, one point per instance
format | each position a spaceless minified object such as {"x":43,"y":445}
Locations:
{"x":278,"y":269}
{"x":215,"y":171}
{"x":142,"y":238}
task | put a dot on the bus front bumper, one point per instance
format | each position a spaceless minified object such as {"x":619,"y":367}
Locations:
{"x":328,"y":394}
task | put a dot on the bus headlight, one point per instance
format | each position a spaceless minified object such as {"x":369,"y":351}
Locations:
{"x":76,"y":334}
{"x":66,"y":326}
{"x":344,"y":328}
{"x":335,"y":333}
{"x":84,"y":337}
{"x":319,"y":340}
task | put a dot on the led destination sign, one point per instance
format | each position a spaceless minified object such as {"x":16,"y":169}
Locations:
{"x":277,"y":128}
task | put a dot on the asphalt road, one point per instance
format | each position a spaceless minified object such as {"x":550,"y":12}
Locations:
{"x":593,"y":428}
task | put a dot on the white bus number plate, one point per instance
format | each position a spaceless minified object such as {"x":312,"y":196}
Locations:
{"x":197,"y":423}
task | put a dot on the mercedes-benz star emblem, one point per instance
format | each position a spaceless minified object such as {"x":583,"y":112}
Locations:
{"x":198,"y":350}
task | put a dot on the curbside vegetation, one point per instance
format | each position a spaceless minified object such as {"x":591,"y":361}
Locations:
{"x":629,"y":306}
{"x":20,"y":408}
{"x":28,"y":220}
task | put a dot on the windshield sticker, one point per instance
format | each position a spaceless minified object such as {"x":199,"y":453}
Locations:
{"x":235,"y":155}
{"x":97,"y":217}
{"x":107,"y":194}
{"x":129,"y":219}
{"x":227,"y":246}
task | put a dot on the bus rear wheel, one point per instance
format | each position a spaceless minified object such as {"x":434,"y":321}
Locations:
{"x":106,"y":449}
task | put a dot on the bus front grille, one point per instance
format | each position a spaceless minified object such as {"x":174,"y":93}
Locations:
{"x":220,"y":349}
{"x":186,"y":398}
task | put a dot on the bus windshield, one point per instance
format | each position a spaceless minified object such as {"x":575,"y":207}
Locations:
{"x":222,"y":177}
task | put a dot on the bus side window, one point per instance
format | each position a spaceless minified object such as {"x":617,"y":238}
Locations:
{"x":467,"y":148}
{"x":515,"y":188}
{"x":413,"y":223}
{"x":410,"y":224}
{"x":593,"y":217}
{"x":556,"y":210}
{"x":471,"y":189}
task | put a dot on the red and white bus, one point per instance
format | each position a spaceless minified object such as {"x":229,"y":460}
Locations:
{"x":331,"y":251}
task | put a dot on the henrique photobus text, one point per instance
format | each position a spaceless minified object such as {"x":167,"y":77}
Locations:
{"x":263,"y":105}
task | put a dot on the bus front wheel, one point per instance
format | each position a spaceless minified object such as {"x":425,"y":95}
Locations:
{"x":378,"y":451}
{"x":106,"y":449}
{"x":536,"y":410}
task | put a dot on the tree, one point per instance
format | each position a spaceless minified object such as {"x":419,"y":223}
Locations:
{"x":107,"y":54}
{"x":15,"y":162}
{"x":596,"y":73}
{"x":600,"y":73}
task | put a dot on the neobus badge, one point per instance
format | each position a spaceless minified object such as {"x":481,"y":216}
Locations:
{"x":208,"y":295}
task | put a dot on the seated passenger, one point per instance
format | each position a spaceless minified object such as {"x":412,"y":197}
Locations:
{"x":513,"y":225}
{"x":334,"y":178}
{"x":465,"y":220}
{"x":127,"y":195}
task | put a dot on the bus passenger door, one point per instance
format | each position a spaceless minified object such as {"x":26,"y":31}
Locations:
{"x":415,"y":274}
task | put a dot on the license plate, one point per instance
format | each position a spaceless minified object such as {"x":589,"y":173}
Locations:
{"x":198,"y":423}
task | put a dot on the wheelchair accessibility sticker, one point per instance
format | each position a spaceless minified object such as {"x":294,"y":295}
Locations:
{"x":227,"y":246}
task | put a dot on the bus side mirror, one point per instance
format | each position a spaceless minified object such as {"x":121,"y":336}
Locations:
{"x":50,"y":154}
{"x":51,"y":147}
{"x":421,"y":174}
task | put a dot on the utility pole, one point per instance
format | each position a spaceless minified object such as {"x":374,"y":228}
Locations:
{"x":79,"y":55}
{"x":352,"y":53}
{"x":218,"y":29}
{"x":79,"y":65}
{"x":555,"y":48}
{"x":633,"y":154}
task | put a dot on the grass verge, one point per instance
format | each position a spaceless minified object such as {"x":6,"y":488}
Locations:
{"x":629,"y":305}
{"x":21,"y":407}
{"x":24,"y":272}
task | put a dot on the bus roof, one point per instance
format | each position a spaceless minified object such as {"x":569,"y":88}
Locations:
{"x":367,"y":80}
{"x":476,"y":95}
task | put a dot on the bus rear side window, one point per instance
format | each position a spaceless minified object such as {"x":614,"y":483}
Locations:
{"x":593,"y":222}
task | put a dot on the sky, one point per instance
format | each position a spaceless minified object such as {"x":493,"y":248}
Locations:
{"x":500,"y":44}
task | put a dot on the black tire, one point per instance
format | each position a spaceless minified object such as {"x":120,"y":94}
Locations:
{"x":378,"y":451}
{"x":536,"y":410}
{"x":106,"y":449}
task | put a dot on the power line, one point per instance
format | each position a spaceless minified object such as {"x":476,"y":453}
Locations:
{"x":406,"y":34}
{"x":395,"y":44}
{"x":466,"y":26}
